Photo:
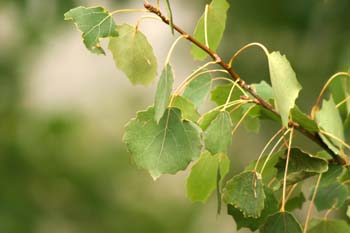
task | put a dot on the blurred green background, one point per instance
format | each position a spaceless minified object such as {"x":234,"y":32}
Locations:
{"x":63,"y":168}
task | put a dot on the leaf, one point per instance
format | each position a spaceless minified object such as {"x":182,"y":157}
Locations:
{"x":271,"y":206}
{"x":296,"y":200}
{"x":285,"y":85}
{"x":331,"y":192}
{"x":95,"y":23}
{"x":202,"y":180}
{"x":224,"y":168}
{"x":328,"y":226}
{"x":167,"y":147}
{"x":328,"y":118}
{"x":164,"y":88}
{"x":281,"y":222}
{"x":197,"y":90}
{"x":207,"y":118}
{"x":187,"y":108}
{"x":270,"y":171}
{"x":245,"y":192}
{"x":264,"y":90}
{"x":218,"y":137}
{"x":134,"y":55}
{"x":339,"y":89}
{"x":220,"y":95}
{"x":301,"y":166}
{"x":303,"y":120}
{"x":170,"y":15}
{"x":216,"y":23}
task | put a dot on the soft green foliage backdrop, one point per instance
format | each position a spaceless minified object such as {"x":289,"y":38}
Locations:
{"x":61,"y":171}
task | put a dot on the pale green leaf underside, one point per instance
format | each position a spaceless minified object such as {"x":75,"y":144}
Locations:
{"x":95,"y":23}
{"x":284,"y":83}
{"x":281,"y":222}
{"x":328,"y":118}
{"x":216,"y":23}
{"x":202,"y":179}
{"x":198,"y":89}
{"x":245,"y":192}
{"x":187,"y":108}
{"x":167,"y":147}
{"x":218,"y":136}
{"x":164,"y":88}
{"x":328,"y":226}
{"x":134,"y":55}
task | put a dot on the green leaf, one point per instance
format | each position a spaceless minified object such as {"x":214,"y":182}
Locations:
{"x":134,"y":55}
{"x":301,"y":166}
{"x":303,"y":120}
{"x":95,"y":23}
{"x":331,"y":196}
{"x":339,"y":89}
{"x":220,"y":95}
{"x":216,"y":23}
{"x":167,"y":147}
{"x":328,"y":118}
{"x":170,"y":15}
{"x":207,"y":118}
{"x":164,"y":88}
{"x":187,"y":108}
{"x":270,"y":171}
{"x":281,"y":222}
{"x":296,"y":200}
{"x":218,"y":137}
{"x":328,"y":226}
{"x":264,"y":90}
{"x":202,"y":180}
{"x":198,"y":89}
{"x":245,"y":192}
{"x":224,"y":168}
{"x":285,"y":85}
{"x":271,"y":206}
{"x":331,"y":192}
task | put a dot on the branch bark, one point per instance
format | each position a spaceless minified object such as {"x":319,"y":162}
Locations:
{"x":314,"y":137}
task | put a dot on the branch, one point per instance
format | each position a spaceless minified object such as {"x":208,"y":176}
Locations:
{"x":314,"y":137}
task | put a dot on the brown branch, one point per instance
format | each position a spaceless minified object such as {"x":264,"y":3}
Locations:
{"x":314,"y":137}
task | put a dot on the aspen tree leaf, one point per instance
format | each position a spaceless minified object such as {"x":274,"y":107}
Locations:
{"x":281,"y":222}
{"x":218,"y":137}
{"x":285,"y":85}
{"x":216,"y":23}
{"x":328,"y":226}
{"x":331,"y":192}
{"x":95,"y":23}
{"x":303,"y":120}
{"x":328,"y":118}
{"x":224,"y":168}
{"x":245,"y":192}
{"x":207,"y":118}
{"x":166,"y":147}
{"x":170,"y":16}
{"x":296,"y":200}
{"x":134,"y":55}
{"x":271,"y":206}
{"x":198,"y":89}
{"x":301,"y":166}
{"x":270,"y":171}
{"x":164,"y":88}
{"x":264,"y":90}
{"x":187,"y":108}
{"x":340,"y":89}
{"x":331,"y":196}
{"x":202,"y":180}
{"x":221,"y":93}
